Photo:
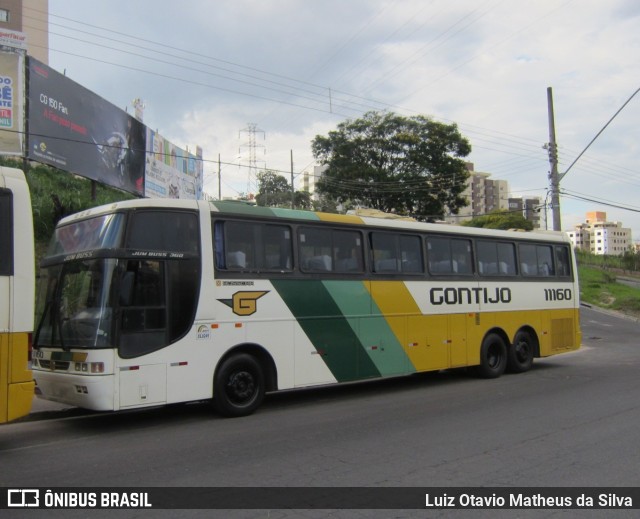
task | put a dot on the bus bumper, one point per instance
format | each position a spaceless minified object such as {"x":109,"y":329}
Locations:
{"x":88,"y":392}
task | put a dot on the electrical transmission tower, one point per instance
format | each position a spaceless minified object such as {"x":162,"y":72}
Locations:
{"x":249,"y":157}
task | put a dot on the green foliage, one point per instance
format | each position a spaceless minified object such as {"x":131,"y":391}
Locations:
{"x":629,"y":261}
{"x":274,"y":191}
{"x":55,"y":194}
{"x":599,"y":287}
{"x":406,"y":165}
{"x":501,"y":220}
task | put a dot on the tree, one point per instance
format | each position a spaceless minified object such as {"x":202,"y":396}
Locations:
{"x":407,"y":165}
{"x":501,"y":220}
{"x":274,"y":191}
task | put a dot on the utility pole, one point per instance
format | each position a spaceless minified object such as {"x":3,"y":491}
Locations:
{"x":293,"y":191}
{"x":219,"y":178}
{"x":554,"y":179}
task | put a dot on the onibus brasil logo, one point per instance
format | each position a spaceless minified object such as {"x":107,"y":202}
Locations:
{"x":244,"y":302}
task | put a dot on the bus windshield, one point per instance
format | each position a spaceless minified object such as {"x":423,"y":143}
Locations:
{"x":100,"y":232}
{"x":74,"y":305}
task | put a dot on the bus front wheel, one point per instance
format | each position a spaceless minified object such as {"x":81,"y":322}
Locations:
{"x":493,"y":357}
{"x":239,"y":386}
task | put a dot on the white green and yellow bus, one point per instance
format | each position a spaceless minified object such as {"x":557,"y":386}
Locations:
{"x":17,"y":289}
{"x":150,"y":302}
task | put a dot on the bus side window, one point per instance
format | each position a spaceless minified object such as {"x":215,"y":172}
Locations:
{"x":545,"y":260}
{"x":528,"y":260}
{"x":411,"y":255}
{"x":330,"y":250}
{"x":562,"y":261}
{"x":252,"y":246}
{"x":175,"y":231}
{"x":394,"y":254}
{"x":240,"y":250}
{"x":315,"y":249}
{"x":536,"y":260}
{"x":439,"y":255}
{"x":277,"y":247}
{"x":496,"y":258}
{"x":347,"y":251}
{"x":449,"y":256}
{"x":218,"y":245}
{"x":6,"y":232}
{"x":385,"y":254}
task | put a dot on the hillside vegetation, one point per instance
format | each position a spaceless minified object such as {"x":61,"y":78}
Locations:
{"x":55,"y":194}
{"x":601,"y":288}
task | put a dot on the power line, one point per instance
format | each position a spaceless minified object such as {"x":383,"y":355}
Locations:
{"x":598,"y":134}
{"x":569,"y":194}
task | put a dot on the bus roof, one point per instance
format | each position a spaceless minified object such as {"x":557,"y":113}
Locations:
{"x":240,"y":208}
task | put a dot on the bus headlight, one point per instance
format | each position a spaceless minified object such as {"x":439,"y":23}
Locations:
{"x":89,"y":367}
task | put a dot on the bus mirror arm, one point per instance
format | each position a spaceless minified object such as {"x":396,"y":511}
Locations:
{"x":36,"y":335}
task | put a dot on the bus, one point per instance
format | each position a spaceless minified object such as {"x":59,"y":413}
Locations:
{"x":151,"y":302}
{"x":17,"y":292}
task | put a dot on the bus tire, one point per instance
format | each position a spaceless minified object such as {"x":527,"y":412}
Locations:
{"x":493,"y":357}
{"x":520,"y":357}
{"x":239,"y":386}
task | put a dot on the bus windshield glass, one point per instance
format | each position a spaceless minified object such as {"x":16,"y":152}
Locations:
{"x":101,"y":232}
{"x":74,"y":305}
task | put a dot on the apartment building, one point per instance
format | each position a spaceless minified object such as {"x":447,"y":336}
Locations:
{"x":484,"y":195}
{"x":598,"y":236}
{"x":530,"y":207}
{"x":29,"y":18}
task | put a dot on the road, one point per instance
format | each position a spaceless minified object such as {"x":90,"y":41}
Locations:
{"x":573,"y":420}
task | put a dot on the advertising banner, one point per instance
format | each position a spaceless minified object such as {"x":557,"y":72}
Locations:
{"x":11,"y":103}
{"x":73,"y":129}
{"x":171,"y":172}
{"x":13,"y":41}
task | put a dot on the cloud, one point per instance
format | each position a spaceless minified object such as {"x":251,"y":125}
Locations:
{"x":297,"y":69}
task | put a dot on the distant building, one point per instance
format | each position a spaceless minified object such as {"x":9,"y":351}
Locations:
{"x":529,"y":207}
{"x":30,"y":17}
{"x":310,"y":178}
{"x":600,"y":237}
{"x":484,"y":195}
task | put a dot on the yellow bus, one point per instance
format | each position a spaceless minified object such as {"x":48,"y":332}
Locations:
{"x":150,"y":302}
{"x":17,"y":289}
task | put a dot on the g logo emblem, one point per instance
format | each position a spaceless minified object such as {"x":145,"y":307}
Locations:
{"x":244,"y":303}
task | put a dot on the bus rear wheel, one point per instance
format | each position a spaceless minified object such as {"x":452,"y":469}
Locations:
{"x":493,"y":357}
{"x":521,"y":353}
{"x":239,"y":386}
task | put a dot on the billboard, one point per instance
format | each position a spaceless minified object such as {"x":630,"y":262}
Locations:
{"x":172,"y":172}
{"x":73,"y":129}
{"x":11,"y":103}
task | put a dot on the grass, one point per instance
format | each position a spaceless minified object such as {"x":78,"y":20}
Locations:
{"x":599,"y":287}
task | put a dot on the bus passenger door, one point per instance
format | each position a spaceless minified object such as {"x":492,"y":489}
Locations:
{"x":143,"y":385}
{"x":143,"y":329}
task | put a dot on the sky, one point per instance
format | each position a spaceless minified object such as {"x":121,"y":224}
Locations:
{"x":210,"y":70}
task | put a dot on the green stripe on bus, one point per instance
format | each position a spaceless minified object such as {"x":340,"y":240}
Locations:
{"x":242,"y":208}
{"x":327,"y":328}
{"x":371,"y":327}
{"x":295,"y":213}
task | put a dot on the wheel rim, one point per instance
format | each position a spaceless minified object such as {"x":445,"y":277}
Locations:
{"x":494,"y":356}
{"x":241,"y":387}
{"x":522,"y":350}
